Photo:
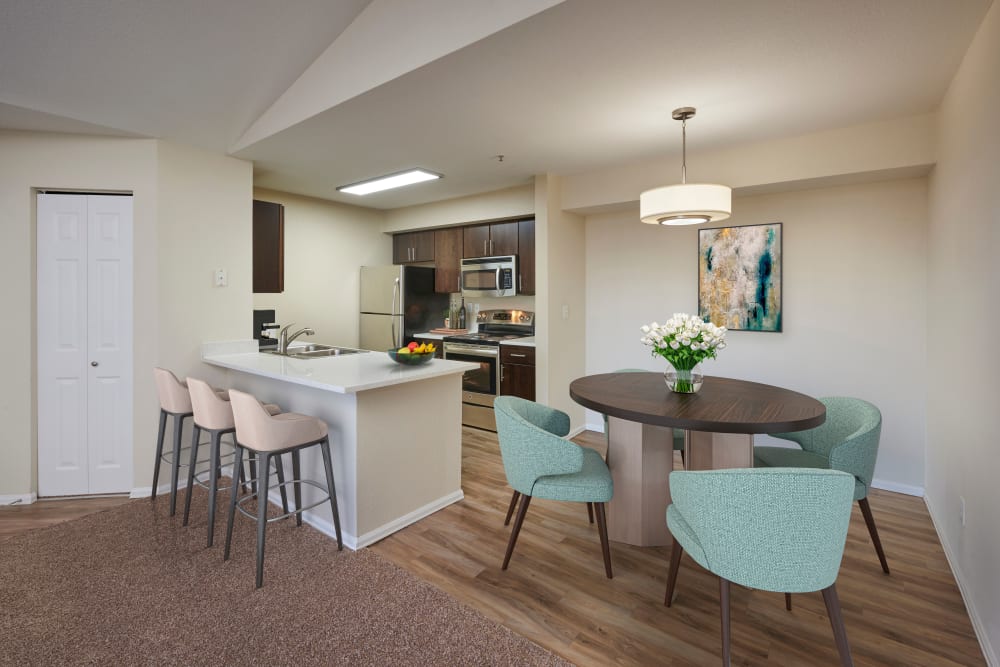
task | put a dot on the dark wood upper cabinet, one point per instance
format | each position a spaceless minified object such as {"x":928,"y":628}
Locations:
{"x":409,"y":247}
{"x":498,"y":238}
{"x":447,"y":259}
{"x":526,"y":256}
{"x":268,"y":247}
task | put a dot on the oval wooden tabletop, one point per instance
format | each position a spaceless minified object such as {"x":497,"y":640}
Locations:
{"x":723,"y":405}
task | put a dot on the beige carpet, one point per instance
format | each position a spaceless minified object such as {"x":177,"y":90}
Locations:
{"x":130,"y":585}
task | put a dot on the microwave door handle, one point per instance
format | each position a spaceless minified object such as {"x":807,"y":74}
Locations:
{"x":499,"y":289}
{"x":395,"y":294}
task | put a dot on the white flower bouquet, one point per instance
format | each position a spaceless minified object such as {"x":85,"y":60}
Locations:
{"x":684,"y":341}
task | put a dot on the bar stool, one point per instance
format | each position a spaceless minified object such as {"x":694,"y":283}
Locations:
{"x":214,"y":414}
{"x":269,"y":436}
{"x":175,"y":401}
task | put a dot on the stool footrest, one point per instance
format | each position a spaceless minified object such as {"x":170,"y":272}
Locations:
{"x":289,"y":513}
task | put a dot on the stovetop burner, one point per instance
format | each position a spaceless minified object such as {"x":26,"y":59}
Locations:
{"x":497,"y":326}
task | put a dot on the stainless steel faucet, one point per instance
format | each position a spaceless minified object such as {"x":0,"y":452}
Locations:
{"x":284,"y":339}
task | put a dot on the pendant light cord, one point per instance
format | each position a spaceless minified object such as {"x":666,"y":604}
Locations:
{"x":684,"y":143}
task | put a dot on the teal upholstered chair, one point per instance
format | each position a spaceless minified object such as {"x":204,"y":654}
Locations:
{"x":678,"y":432}
{"x":847,"y":441}
{"x":774,"y":529}
{"x":540,"y":463}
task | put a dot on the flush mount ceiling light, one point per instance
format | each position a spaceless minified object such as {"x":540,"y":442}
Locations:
{"x":686,"y":203}
{"x":397,"y":180}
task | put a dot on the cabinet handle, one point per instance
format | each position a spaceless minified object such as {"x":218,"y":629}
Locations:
{"x":501,"y":372}
{"x":491,"y":246}
{"x":485,"y":251}
{"x":520,"y":283}
{"x":93,"y":363}
{"x":519,"y":356}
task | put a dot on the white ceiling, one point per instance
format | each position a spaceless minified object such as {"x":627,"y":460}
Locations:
{"x":320,"y":94}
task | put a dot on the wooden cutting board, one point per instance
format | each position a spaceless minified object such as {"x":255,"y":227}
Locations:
{"x":449,"y":332}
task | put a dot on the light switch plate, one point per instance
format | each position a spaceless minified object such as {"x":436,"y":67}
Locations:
{"x":221,"y":278}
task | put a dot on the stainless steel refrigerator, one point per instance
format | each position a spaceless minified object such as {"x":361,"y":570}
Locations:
{"x":398,"y":301}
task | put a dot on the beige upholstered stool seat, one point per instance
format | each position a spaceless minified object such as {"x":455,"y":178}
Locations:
{"x":175,"y":401}
{"x":267,"y":437}
{"x":213,"y":413}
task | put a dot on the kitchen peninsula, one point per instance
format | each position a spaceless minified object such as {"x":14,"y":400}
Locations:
{"x":395,"y":431}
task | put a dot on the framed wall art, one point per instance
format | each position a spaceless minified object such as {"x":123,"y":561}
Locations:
{"x":739,"y":277}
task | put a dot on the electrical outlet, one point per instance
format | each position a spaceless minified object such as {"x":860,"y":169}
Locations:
{"x":220,"y":278}
{"x":565,"y":312}
{"x":961,"y":509}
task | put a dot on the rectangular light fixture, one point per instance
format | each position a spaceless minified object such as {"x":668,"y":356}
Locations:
{"x":397,"y":180}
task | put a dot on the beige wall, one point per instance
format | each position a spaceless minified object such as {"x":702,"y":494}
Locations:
{"x":325,"y":244}
{"x":560,"y":301}
{"x":963,"y":360}
{"x":854,"y":306}
{"x":509,"y":203}
{"x":185,"y":202}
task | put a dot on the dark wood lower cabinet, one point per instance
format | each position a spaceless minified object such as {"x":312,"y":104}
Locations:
{"x":517,"y":371}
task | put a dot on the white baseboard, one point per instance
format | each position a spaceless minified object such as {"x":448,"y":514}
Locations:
{"x":896,"y":487}
{"x":573,"y":432}
{"x":162,"y":489}
{"x":371,"y":537}
{"x":599,"y":428}
{"x":18,"y":499}
{"x":977,"y":623}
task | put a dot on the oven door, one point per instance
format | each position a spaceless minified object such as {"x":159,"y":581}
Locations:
{"x":479,"y":385}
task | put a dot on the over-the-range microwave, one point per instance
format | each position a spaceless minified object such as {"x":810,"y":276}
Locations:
{"x":489,"y":276}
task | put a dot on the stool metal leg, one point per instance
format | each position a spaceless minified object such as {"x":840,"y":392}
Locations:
{"x":262,"y":516}
{"x":325,"y":447}
{"x":195,"y":435}
{"x":159,"y":450}
{"x":253,"y":473}
{"x":297,"y":486}
{"x":279,"y":468}
{"x":175,"y":463}
{"x":238,"y":462}
{"x":213,"y":483}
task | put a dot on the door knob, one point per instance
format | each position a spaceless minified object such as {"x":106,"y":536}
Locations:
{"x":93,"y":363}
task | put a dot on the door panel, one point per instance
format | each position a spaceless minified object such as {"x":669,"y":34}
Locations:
{"x":84,"y":277}
{"x":109,"y":333}
{"x":62,"y":340}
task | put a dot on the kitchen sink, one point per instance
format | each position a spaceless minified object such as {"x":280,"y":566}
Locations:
{"x":316,"y":350}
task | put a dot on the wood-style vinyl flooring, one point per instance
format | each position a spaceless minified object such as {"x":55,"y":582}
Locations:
{"x":555,"y":592}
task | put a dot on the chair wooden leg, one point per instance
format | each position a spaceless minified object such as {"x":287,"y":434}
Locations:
{"x":602,"y":528}
{"x":510,"y":509}
{"x":866,"y":511}
{"x":724,"y":612}
{"x":590,"y":512}
{"x":521,"y":511}
{"x":675,"y":564}
{"x":837,"y":622}
{"x":788,"y":601}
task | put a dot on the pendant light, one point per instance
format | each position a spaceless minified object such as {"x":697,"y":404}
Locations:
{"x":685,"y":203}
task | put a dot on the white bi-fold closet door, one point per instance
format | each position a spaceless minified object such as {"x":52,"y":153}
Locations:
{"x":84,"y":345}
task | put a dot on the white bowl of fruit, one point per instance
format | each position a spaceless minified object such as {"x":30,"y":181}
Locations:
{"x":413,"y":354}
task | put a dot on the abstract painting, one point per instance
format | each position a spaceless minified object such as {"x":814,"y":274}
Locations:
{"x":739,"y":277}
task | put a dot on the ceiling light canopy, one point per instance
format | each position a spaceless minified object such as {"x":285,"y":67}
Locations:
{"x":397,"y":180}
{"x":685,"y":203}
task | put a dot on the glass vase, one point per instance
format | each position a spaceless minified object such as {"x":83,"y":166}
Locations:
{"x":684,"y":380}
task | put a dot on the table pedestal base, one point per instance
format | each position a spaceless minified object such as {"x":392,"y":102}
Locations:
{"x":713,"y":451}
{"x":640,"y":457}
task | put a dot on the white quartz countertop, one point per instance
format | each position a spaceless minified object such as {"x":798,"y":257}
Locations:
{"x":527,"y":341}
{"x":346,"y":374}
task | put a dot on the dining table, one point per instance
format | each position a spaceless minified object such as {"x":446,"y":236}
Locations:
{"x":719,"y":422}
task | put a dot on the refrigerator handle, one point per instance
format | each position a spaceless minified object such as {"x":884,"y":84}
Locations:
{"x":395,"y":295}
